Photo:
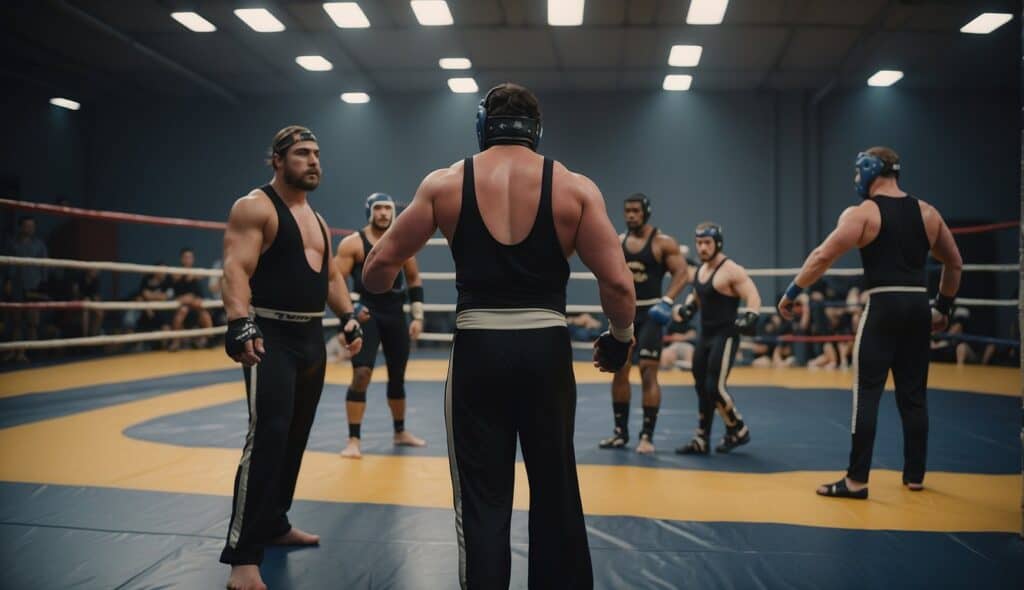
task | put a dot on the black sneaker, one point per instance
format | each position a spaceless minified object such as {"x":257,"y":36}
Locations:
{"x":618,"y":440}
{"x":698,"y":446}
{"x":731,"y":440}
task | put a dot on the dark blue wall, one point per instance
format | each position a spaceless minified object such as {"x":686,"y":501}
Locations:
{"x":774,"y":169}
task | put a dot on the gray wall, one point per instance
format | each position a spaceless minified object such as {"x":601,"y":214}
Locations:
{"x":771,"y":168}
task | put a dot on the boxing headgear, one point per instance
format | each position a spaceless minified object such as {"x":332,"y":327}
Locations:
{"x":302,"y":134}
{"x":505,"y":129}
{"x":375,"y":199}
{"x":713,"y":231}
{"x":645,"y":204}
{"x":870,"y":167}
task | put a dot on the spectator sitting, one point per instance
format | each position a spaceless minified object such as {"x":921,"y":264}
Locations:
{"x":678,"y":351}
{"x":154,"y":287}
{"x":26,"y":284}
{"x":948,"y":350}
{"x":188,"y":291}
{"x":89,"y":290}
{"x":583,"y":327}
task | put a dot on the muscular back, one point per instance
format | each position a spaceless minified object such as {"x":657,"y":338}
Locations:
{"x":508,"y":190}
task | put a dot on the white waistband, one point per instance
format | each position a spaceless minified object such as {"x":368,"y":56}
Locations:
{"x":287,"y":316}
{"x":646,"y":302}
{"x":509,"y":319}
{"x":895,"y":289}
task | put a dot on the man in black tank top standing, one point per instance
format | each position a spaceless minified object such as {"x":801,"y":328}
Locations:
{"x":895,"y":233}
{"x":650,"y":254}
{"x":277,"y":258}
{"x":718,"y":287}
{"x":385,"y":327}
{"x":512,"y":219}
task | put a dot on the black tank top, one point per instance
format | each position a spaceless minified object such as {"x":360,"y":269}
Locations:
{"x":897,"y":256}
{"x":388,"y":300}
{"x":648,"y":273}
{"x":283,"y":279}
{"x":492,"y":275}
{"x":717,"y":310}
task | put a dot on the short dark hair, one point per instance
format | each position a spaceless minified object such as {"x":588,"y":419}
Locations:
{"x":186,"y":249}
{"x":512,"y":100}
{"x":25,"y":218}
{"x":888,"y":156}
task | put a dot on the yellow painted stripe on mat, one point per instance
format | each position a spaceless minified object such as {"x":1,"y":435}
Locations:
{"x":89,"y":449}
{"x":115,"y":369}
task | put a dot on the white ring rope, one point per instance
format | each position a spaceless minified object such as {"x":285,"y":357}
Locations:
{"x":112,"y":266}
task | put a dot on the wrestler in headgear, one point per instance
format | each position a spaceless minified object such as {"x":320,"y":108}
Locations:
{"x":384,"y":325}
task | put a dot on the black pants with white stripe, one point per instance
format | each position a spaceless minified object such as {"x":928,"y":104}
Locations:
{"x":894,"y":333}
{"x":503,"y":384}
{"x":283,"y":391}
{"x":713,"y":357}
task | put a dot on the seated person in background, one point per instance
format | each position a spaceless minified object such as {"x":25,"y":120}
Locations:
{"x":583,"y":327}
{"x":188,"y":291}
{"x":773,"y":353}
{"x":947,"y":350}
{"x":679,"y":345}
{"x":89,"y":290}
{"x":154,"y":287}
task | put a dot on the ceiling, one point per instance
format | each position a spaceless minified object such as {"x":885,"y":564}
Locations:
{"x":92,"y":48}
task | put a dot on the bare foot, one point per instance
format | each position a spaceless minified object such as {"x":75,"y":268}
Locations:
{"x":351,"y":450}
{"x":407,"y":439}
{"x":645,"y":446}
{"x":851,"y":485}
{"x":296,"y":537}
{"x":245,"y":577}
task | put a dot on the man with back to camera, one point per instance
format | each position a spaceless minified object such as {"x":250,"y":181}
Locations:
{"x":277,"y":257}
{"x":894,"y":233}
{"x":385,"y":328}
{"x":512,"y":219}
{"x":718,"y":287}
{"x":650,"y":254}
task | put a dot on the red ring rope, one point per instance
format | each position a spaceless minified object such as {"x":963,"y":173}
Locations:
{"x":127,"y":217}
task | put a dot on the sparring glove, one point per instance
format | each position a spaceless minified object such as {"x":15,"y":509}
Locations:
{"x":610,"y":353}
{"x":661,"y":312}
{"x":350,"y":335}
{"x":685,"y":312}
{"x":239,"y":332}
{"x":747,"y":323}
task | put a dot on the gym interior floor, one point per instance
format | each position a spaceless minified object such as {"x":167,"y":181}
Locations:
{"x":117,"y":472}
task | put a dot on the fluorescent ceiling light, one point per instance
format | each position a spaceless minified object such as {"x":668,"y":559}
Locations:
{"x":355,"y":97}
{"x":432,"y":13}
{"x":193,"y":22}
{"x":885,"y":78}
{"x":677,"y":82}
{"x":986,"y":22}
{"x":314,"y":63}
{"x":454,"y":63}
{"x":685,"y":56}
{"x":706,"y":12}
{"x":463,"y":85}
{"x":347,"y":15}
{"x":66,"y":103}
{"x":565,"y":13}
{"x":259,"y":20}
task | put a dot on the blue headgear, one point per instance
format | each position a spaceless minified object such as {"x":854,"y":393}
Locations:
{"x":713,"y":231}
{"x":376,"y":198}
{"x":495,"y":129}
{"x":871,"y":167}
{"x":645,"y":203}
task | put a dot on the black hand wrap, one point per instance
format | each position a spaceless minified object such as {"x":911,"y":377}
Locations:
{"x":350,"y":335}
{"x":686,"y":311}
{"x":611,"y":352}
{"x":239,"y":332}
{"x":415,"y":294}
{"x":943,"y":305}
{"x":747,"y":323}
